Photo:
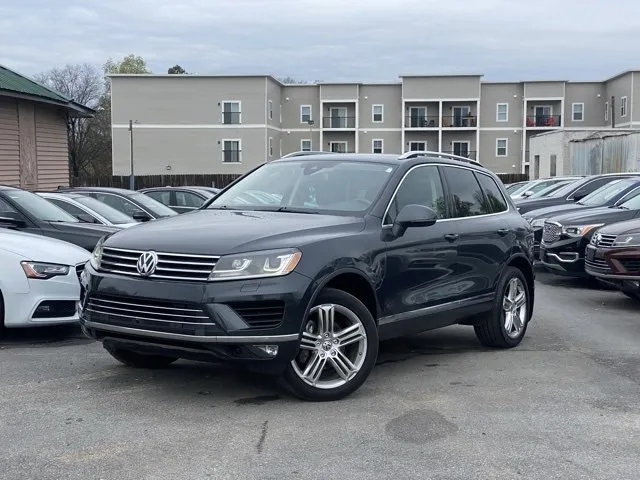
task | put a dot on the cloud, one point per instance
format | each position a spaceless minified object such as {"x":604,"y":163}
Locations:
{"x":329,"y":39}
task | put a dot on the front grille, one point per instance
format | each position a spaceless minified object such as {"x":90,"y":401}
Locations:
{"x":171,"y":266}
{"x":602,"y":240}
{"x":631,"y":265}
{"x":268,"y":314}
{"x":551,"y":232}
{"x":598,"y":266}
{"x":184,"y":318}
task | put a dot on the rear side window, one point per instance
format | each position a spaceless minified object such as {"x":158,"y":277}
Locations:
{"x":495,"y":202}
{"x":187,"y":199}
{"x":67,"y":207}
{"x":465,"y":193}
{"x":421,"y":186}
{"x":163,"y":196}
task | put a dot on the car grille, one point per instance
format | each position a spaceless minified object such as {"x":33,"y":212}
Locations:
{"x":268,"y":314}
{"x":551,"y":232}
{"x":598,"y":266}
{"x":188,"y":319}
{"x":631,"y":266}
{"x":171,"y":266}
{"x":601,"y":240}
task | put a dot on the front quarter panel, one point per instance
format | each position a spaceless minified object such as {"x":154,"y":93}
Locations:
{"x":12,"y":277}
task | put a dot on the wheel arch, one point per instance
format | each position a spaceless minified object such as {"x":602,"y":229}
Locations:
{"x":523,"y":264}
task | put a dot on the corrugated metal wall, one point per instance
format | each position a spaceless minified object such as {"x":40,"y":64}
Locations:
{"x":609,"y":154}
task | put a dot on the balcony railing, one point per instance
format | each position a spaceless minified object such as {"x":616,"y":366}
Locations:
{"x":231,"y":156}
{"x":339,"y":122}
{"x":421,"y":121}
{"x":460,"y":121}
{"x":470,"y":154}
{"x":545,"y":121}
{"x":231,"y":118}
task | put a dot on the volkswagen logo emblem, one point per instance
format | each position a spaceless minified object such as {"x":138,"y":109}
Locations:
{"x":147,"y":263}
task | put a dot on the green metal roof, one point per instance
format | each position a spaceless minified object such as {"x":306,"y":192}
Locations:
{"x":12,"y":82}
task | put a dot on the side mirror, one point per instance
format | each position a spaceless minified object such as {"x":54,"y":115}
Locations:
{"x":141,"y":216}
{"x":12,"y":221}
{"x":86,"y":218}
{"x":528,"y":193}
{"x":413,"y":216}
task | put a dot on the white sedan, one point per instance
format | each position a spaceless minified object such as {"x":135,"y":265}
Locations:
{"x":39,"y":280}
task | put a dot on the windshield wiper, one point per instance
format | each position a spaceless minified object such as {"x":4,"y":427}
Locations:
{"x":294,"y":210}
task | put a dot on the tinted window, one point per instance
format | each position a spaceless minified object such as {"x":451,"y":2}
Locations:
{"x":421,"y":186}
{"x":156,"y":208}
{"x":119,"y":203}
{"x":162,"y":196}
{"x":495,"y":201}
{"x":111,"y":214}
{"x":186,"y":199}
{"x":633,"y":202}
{"x":6,"y":208}
{"x":592,"y":186}
{"x":465,"y":193}
{"x":67,"y":207}
{"x":40,"y":208}
{"x":605,"y":193}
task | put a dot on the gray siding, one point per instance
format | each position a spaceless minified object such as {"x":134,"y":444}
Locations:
{"x":390,"y":96}
{"x":291,"y":140}
{"x":544,"y":89}
{"x":274,"y":95}
{"x":430,"y":137}
{"x":298,"y":96}
{"x":635,"y":106}
{"x":339,"y":91}
{"x":495,"y":93}
{"x":487,"y":154}
{"x":391,"y":141}
{"x":419,"y":88}
{"x":349,"y":137}
{"x":620,"y":87}
{"x":9,"y":143}
{"x":587,"y":93}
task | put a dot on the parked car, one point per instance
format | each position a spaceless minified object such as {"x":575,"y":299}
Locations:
{"x":535,"y":186}
{"x":27,"y":212}
{"x":613,"y":256}
{"x":571,"y":193}
{"x":39,"y":283}
{"x":512,"y":187}
{"x":545,"y":192}
{"x":304,"y":153}
{"x":88,"y":209}
{"x":613,"y":193}
{"x":180,"y":199}
{"x":565,"y":237}
{"x":136,"y":205}
{"x":357,"y":248}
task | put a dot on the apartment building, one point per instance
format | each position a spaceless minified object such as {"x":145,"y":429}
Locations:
{"x":184,"y":124}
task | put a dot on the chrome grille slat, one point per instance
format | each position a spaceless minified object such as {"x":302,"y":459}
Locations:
{"x":551,"y":232}
{"x":171,"y":266}
{"x":129,"y":304}
{"x":149,"y":319}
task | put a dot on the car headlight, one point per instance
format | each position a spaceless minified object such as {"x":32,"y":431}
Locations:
{"x":631,"y":240}
{"x":579,"y":230}
{"x":271,"y":263}
{"x":43,"y":271}
{"x":538,"y":222}
{"x":96,"y":255}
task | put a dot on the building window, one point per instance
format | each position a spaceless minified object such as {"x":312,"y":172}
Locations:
{"x":377,"y":145}
{"x":305,"y":113}
{"x":623,"y":106}
{"x":231,"y":151}
{"x":305,"y":144}
{"x":231,"y":113}
{"x":418,"y":118}
{"x":606,"y":111}
{"x":501,"y":147}
{"x":553,"y":165}
{"x":338,"y":147}
{"x":271,"y":146}
{"x":418,"y":146}
{"x":270,"y":110}
{"x":577,"y":112}
{"x":377,"y":112}
{"x":502,"y":112}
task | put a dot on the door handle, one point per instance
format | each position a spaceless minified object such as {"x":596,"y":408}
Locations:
{"x":503,"y":231}
{"x":451,"y":237}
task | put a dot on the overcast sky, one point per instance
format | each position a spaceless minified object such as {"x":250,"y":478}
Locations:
{"x":366,"y":40}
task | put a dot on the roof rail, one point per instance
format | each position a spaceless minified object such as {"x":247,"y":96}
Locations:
{"x":427,"y":153}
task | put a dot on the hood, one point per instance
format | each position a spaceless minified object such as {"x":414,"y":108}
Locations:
{"x":621,"y":228}
{"x":85,"y":227}
{"x":595,"y":215}
{"x":42,"y":249}
{"x":219,"y":232}
{"x":546,"y":212}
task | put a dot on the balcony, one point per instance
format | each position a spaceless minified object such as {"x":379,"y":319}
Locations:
{"x":421,"y":121}
{"x":470,"y":154}
{"x":457,"y":121}
{"x":544,"y":121}
{"x":339,"y":123}
{"x":231,"y":118}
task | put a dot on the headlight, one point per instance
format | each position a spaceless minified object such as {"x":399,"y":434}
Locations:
{"x":43,"y":271}
{"x":538,"y":222}
{"x":631,"y":240}
{"x":579,"y":230}
{"x":272,"y":263}
{"x":96,"y":255}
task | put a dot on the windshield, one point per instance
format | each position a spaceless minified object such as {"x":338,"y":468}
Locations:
{"x":605,"y":193}
{"x":550,"y":188}
{"x":332,"y":186}
{"x":567,"y":189}
{"x":38,"y":207}
{"x":111,"y":214}
{"x":521,"y":189}
{"x":633,"y":203}
{"x":157,"y":208}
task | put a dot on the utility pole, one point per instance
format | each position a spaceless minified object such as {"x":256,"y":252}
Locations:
{"x":131,"y":177}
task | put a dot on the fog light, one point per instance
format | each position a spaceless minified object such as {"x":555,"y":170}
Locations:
{"x":271,"y":350}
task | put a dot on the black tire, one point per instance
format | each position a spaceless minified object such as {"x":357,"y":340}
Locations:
{"x":491,"y":331}
{"x":299,"y":388}
{"x":139,"y":360}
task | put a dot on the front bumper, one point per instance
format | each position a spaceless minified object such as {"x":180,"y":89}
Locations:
{"x":564,"y":257}
{"x":227,"y":321}
{"x":618,"y":264}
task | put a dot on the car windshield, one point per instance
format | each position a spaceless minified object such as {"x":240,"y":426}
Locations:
{"x":568,"y":188}
{"x":522,"y":188}
{"x":156,"y":208}
{"x":550,"y":188}
{"x":111,"y":214}
{"x":605,"y":193}
{"x":633,"y":203}
{"x":308,"y":186}
{"x":38,"y":207}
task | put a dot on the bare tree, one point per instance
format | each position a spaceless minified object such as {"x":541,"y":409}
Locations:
{"x":83,"y":84}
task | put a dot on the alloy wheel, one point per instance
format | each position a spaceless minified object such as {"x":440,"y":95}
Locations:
{"x":514,"y":305}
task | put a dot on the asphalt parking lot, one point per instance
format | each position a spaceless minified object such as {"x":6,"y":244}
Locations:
{"x":565,"y":404}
